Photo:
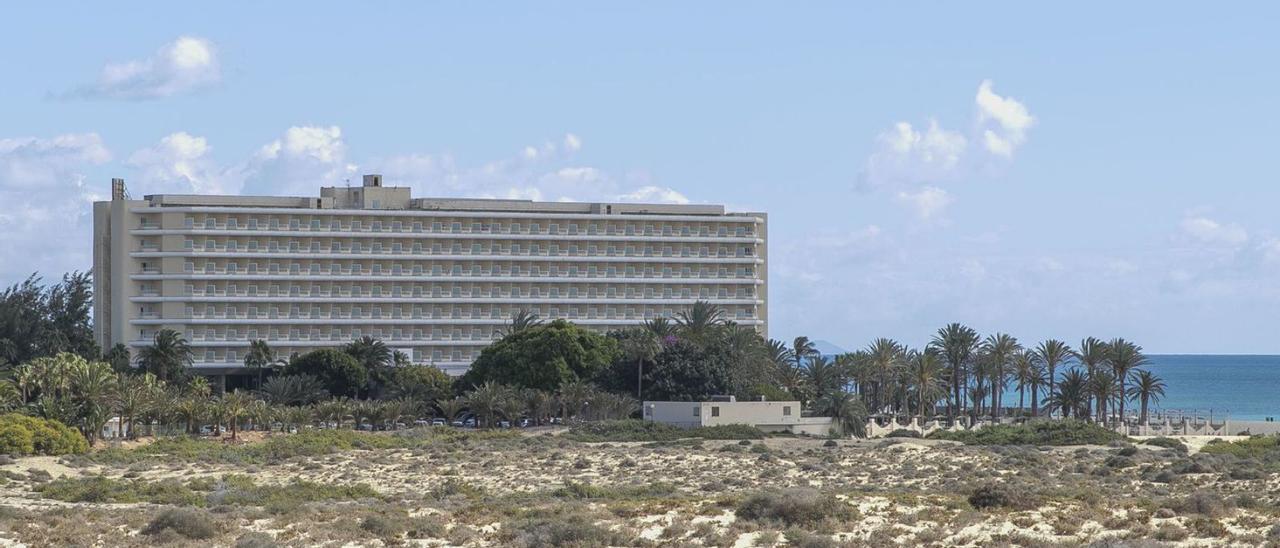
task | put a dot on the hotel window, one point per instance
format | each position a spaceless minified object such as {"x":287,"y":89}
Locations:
{"x":786,"y":410}
{"x":715,"y":411}
{"x":697,"y":411}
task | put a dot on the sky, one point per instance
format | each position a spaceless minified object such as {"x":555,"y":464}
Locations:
{"x":1103,"y":169}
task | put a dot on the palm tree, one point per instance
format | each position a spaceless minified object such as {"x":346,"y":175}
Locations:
{"x":486,"y":399}
{"x":1124,"y":358}
{"x":1039,"y":377}
{"x":1001,"y":348}
{"x":700,"y":319}
{"x":660,"y":327}
{"x":925,"y":372}
{"x":92,"y":387}
{"x":1053,"y":353}
{"x":234,"y":406}
{"x":573,"y":397}
{"x":884,"y":359}
{"x":1103,"y":387}
{"x":10,"y":397}
{"x":1072,"y":397}
{"x":520,"y":321}
{"x":167,"y":356}
{"x":1024,"y":373}
{"x":789,"y":375}
{"x":822,"y":376}
{"x":640,"y":345}
{"x":956,"y":343}
{"x":133,"y":396}
{"x":1092,"y":354}
{"x":449,"y":408}
{"x":370,"y":352}
{"x":261,"y":357}
{"x":802,"y":349}
{"x":1147,"y":387}
{"x":293,"y":390}
{"x":847,"y":412}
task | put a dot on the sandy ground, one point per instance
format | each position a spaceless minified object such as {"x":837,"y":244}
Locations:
{"x":905,"y":491}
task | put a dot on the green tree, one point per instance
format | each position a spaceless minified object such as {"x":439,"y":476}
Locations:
{"x":1053,"y":353}
{"x":261,"y":357}
{"x":543,"y":357}
{"x":956,"y":343}
{"x":92,"y":388}
{"x":1072,"y":397}
{"x":700,"y":320}
{"x":848,"y":413}
{"x":421,"y":383}
{"x":639,"y":345}
{"x":337,"y":371}
{"x":1000,"y":348}
{"x":134,"y":396}
{"x":1124,"y":358}
{"x":168,"y":356}
{"x":926,"y":374}
{"x":234,"y":407}
{"x":119,"y":359}
{"x":1146,"y":388}
{"x":293,"y":390}
{"x":520,"y":321}
{"x":687,"y":371}
{"x":486,"y":401}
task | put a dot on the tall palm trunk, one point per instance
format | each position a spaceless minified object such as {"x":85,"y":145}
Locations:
{"x":1035,"y":404}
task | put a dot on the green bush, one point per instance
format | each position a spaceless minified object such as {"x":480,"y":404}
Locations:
{"x":793,"y":507}
{"x":996,"y":496}
{"x":903,"y":433}
{"x":192,"y":524}
{"x":1254,"y":447}
{"x":23,"y":435}
{"x":577,"y":490}
{"x":1064,"y":432}
{"x":102,"y":489}
{"x":641,"y":430}
{"x":1168,"y":443}
{"x":308,"y":443}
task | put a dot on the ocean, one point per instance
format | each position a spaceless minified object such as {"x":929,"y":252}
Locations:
{"x":1246,"y":386}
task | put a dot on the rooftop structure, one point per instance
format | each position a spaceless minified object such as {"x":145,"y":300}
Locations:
{"x":432,"y":277}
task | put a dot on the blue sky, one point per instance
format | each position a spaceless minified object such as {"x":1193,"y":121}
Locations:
{"x":1085,"y":169}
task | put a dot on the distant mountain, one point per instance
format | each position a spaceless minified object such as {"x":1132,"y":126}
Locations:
{"x":827,"y":348}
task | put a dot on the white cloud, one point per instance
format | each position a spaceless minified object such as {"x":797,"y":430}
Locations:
{"x":298,"y":163}
{"x":927,"y":203}
{"x":905,"y":155}
{"x":1012,"y":120}
{"x":654,"y":194}
{"x":47,"y":218}
{"x":179,"y":164}
{"x":1207,"y":231}
{"x":182,"y":66}
{"x":572,"y":143}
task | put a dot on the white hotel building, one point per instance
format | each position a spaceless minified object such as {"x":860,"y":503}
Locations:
{"x":434,"y":278}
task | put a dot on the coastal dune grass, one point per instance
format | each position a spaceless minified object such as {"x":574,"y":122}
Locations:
{"x":308,"y":443}
{"x":232,"y":489}
{"x":1063,"y":432}
{"x":628,"y":430}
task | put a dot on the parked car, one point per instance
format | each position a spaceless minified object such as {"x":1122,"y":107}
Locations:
{"x":525,"y":423}
{"x":457,"y":423}
{"x":438,"y":422}
{"x":470,"y":422}
{"x":504,"y":424}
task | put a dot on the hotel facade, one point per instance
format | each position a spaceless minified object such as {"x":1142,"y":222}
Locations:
{"x":433,"y":278}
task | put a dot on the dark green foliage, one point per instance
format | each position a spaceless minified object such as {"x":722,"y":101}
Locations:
{"x":101,"y":489}
{"x":688,"y":371}
{"x":543,"y":357}
{"x":24,"y":435}
{"x":337,"y":371}
{"x":903,"y":433}
{"x":192,"y":524}
{"x":541,"y":529}
{"x":640,"y":430}
{"x":42,"y":321}
{"x":420,"y":383}
{"x":1254,"y":447}
{"x":799,"y":507}
{"x":1203,"y":503}
{"x":995,"y":496}
{"x":293,"y":390}
{"x":1169,"y":443}
{"x":577,"y":490}
{"x":1064,"y":432}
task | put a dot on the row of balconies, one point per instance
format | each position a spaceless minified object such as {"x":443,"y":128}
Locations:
{"x":744,"y":229}
{"x":535,"y":271}
{"x":572,"y":293}
{"x":419,"y":252}
{"x":393,"y":316}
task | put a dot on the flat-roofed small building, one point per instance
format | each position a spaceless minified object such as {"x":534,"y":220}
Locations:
{"x":769,"y":416}
{"x":432,"y":277}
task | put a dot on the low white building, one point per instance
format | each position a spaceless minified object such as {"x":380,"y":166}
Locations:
{"x":769,"y":416}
